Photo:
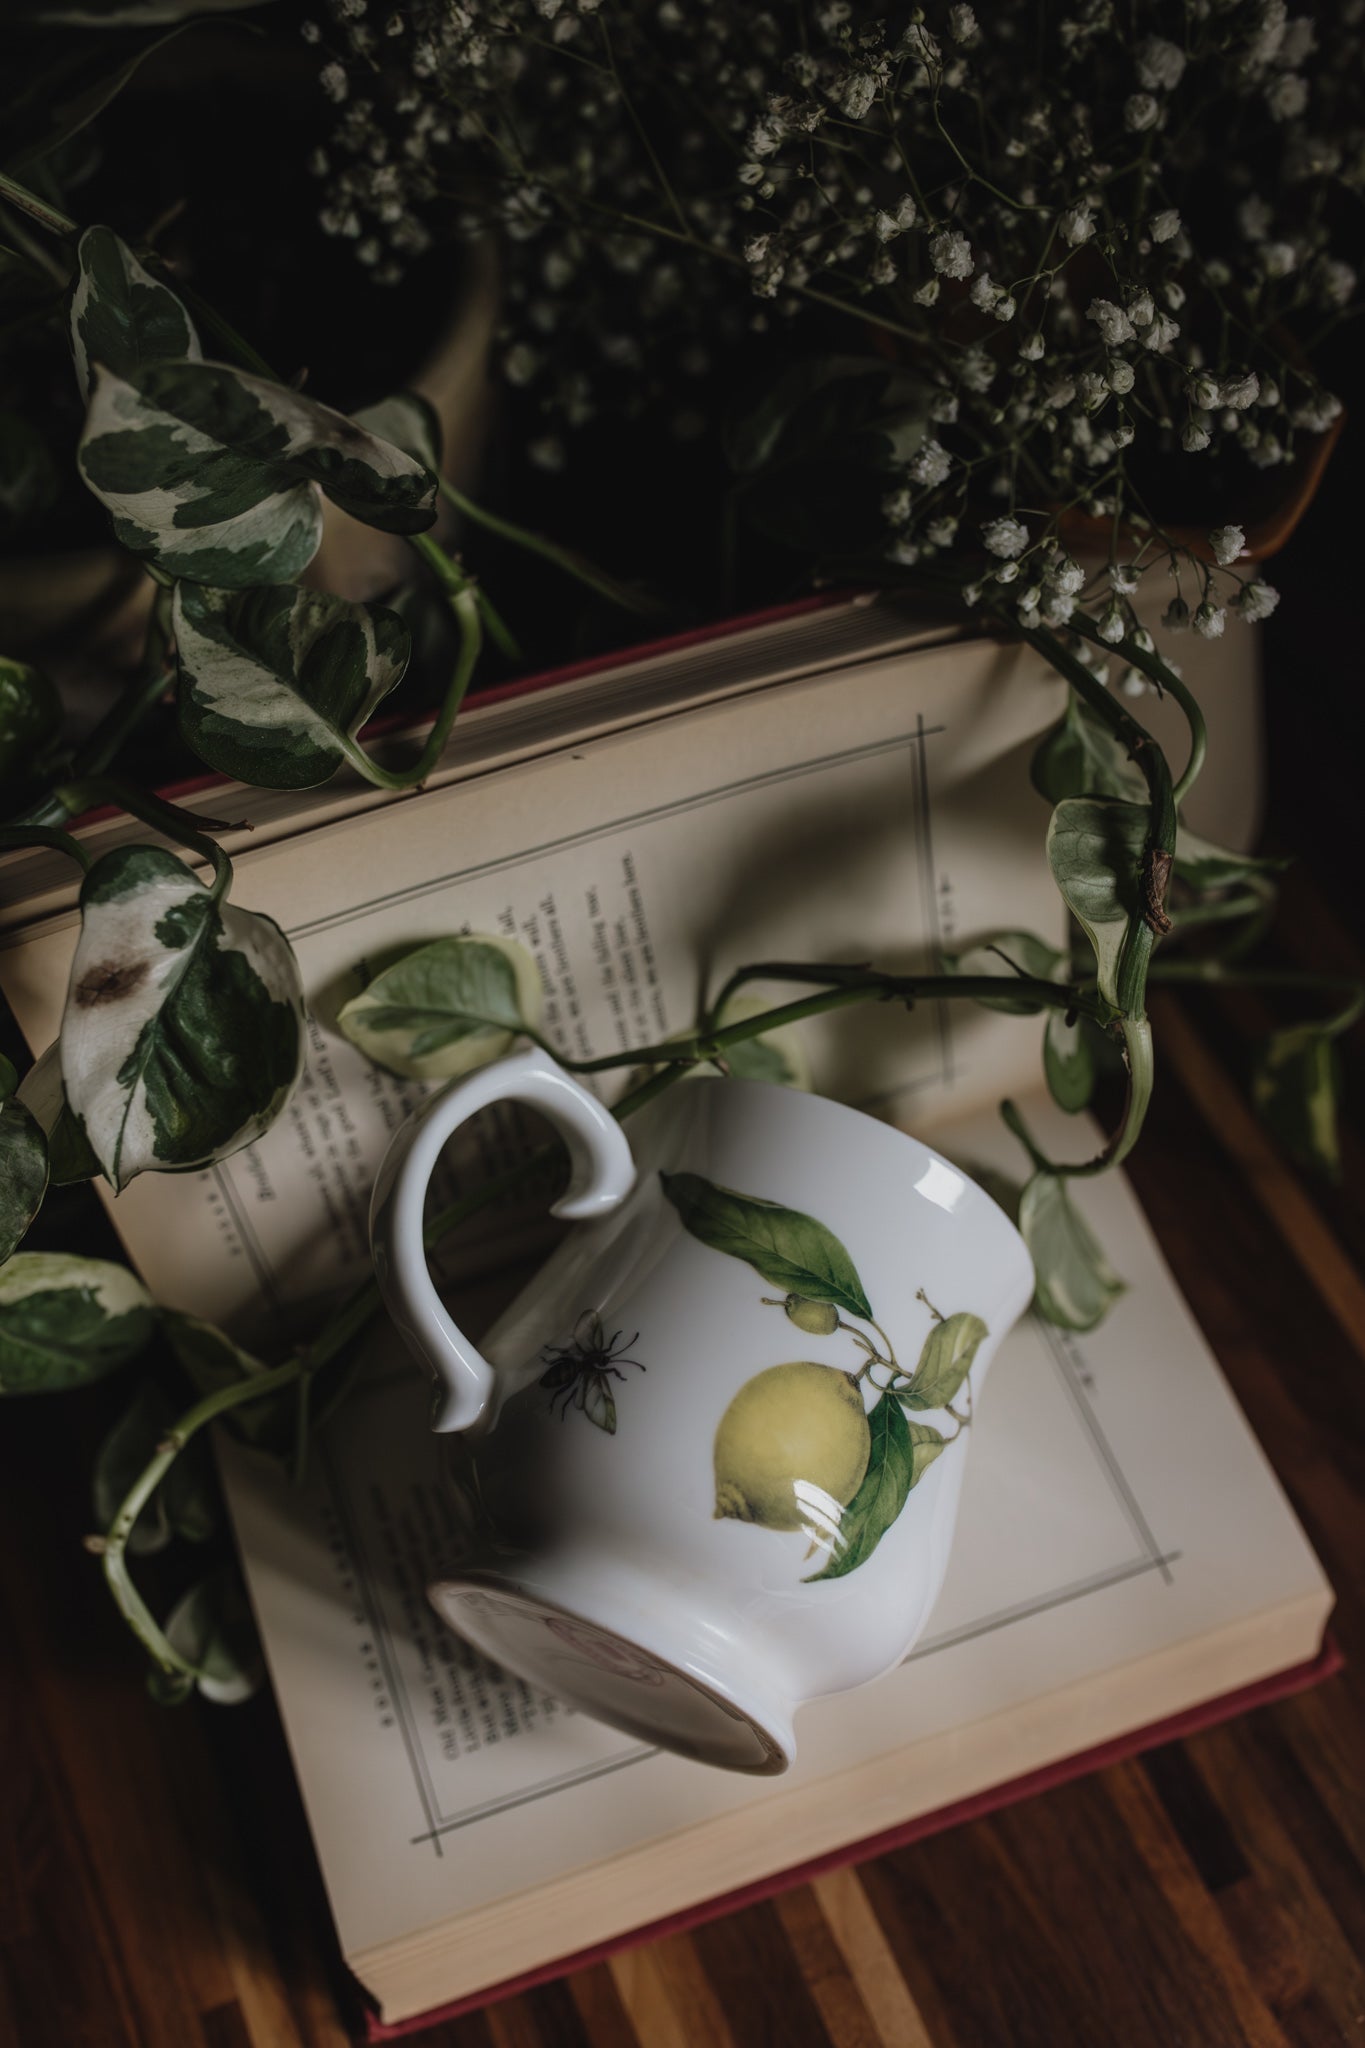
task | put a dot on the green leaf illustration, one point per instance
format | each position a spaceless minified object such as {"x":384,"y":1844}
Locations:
{"x":447,"y":1008}
{"x":902,"y":1452}
{"x":121,"y":318}
{"x":66,"y":1321}
{"x":213,"y":475}
{"x":1081,"y":756}
{"x":23,"y":1172}
{"x":948,"y":1356}
{"x":1068,"y":1060}
{"x":274,"y":679}
{"x":926,"y":1444}
{"x":1095,"y":847}
{"x":69,"y":1158}
{"x":182,"y":1034}
{"x":1075,"y":1286}
{"x":30,"y":715}
{"x":1009,"y":955}
{"x":786,"y":1248}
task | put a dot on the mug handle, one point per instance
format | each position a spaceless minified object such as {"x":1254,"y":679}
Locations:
{"x":602,"y":1174}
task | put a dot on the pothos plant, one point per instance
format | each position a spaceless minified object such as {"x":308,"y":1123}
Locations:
{"x":182,"y":1034}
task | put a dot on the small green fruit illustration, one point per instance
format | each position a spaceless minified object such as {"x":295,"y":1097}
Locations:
{"x":816,"y":1318}
{"x":790,"y":1435}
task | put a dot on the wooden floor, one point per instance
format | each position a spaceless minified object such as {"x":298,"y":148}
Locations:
{"x":157,"y":1887}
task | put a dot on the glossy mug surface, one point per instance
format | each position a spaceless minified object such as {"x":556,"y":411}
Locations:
{"x":710,"y":1459}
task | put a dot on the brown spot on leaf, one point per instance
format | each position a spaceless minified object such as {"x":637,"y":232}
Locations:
{"x":110,"y":982}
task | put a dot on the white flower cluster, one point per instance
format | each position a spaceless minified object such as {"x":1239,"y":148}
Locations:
{"x":1089,"y":232}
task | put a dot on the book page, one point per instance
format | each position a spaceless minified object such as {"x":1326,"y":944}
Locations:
{"x":882,"y":813}
{"x":1122,"y":1547}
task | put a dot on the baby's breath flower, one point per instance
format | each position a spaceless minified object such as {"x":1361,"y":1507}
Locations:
{"x":1164,"y":226}
{"x":1077,"y":224}
{"x":1123,"y":578}
{"x":951,"y":254}
{"x":1007,"y":572}
{"x":1286,"y":97}
{"x":1133,"y":683}
{"x":1112,"y":623}
{"x":931,"y":464}
{"x":1120,"y":376}
{"x":942,"y":532}
{"x":1005,"y":536}
{"x":1031,"y":348}
{"x":962,"y":25}
{"x":1140,"y":111}
{"x":927,"y":293}
{"x":1160,"y":64}
{"x":1227,"y":543}
{"x":1256,"y":601}
{"x":1209,"y":620}
{"x":896,"y":507}
{"x":1195,"y":434}
{"x":334,"y":82}
{"x":1112,"y":321}
{"x":1176,"y":617}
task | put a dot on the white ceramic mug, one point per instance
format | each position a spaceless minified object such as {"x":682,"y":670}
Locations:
{"x":711,"y":1453}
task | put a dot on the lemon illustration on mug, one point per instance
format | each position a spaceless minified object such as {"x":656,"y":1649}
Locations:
{"x":798,"y":1447}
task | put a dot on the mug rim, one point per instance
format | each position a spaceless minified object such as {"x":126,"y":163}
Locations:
{"x":824,"y":1104}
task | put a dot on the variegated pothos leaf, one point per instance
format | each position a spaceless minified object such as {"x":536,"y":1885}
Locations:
{"x":213,"y":474}
{"x":272,"y":679}
{"x":120,"y":316}
{"x":410,"y":421}
{"x":182,"y":1034}
{"x":65,"y":1321}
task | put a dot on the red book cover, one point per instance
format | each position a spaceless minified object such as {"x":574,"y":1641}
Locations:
{"x":1173,"y":1729}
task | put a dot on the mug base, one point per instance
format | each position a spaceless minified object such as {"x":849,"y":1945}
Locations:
{"x":658,"y":1685}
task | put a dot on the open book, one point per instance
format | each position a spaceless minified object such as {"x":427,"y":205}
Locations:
{"x":840,"y":786}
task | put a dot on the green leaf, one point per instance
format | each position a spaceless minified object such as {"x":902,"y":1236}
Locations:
{"x":1081,"y":756}
{"x":69,"y":1158}
{"x":211,"y":1361}
{"x":184,"y":1504}
{"x":947,"y":1357}
{"x":67,"y":1321}
{"x":23,"y":1172}
{"x":1296,"y":1085}
{"x":1095,"y":847}
{"x":901,"y":1453}
{"x":213,"y":475}
{"x":121,"y":318}
{"x":274,"y":679}
{"x":1074,"y":1285}
{"x":30,"y":715}
{"x":1069,"y":1060}
{"x":126,"y":1452}
{"x":1009,"y":955}
{"x":182,"y":1034}
{"x":778,"y":1056}
{"x":449,"y":1007}
{"x":786,"y":1248}
{"x":212,"y":1629}
{"x":1206,"y":866}
{"x":410,"y":421}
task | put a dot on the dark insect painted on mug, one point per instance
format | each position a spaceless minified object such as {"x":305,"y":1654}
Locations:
{"x":580,"y":1373}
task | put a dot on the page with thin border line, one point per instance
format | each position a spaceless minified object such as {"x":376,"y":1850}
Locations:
{"x":1123,"y":1550}
{"x":881,"y":813}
